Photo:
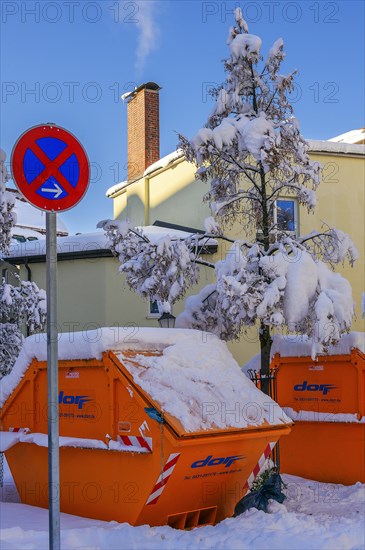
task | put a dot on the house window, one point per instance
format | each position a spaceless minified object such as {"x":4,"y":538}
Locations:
{"x":286,"y":216}
{"x":19,"y":238}
{"x":153,"y":310}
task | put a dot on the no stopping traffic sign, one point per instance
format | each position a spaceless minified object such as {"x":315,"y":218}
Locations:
{"x":50,"y":168}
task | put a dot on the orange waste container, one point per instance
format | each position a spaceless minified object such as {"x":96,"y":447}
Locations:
{"x":326,"y":400}
{"x":122,"y":457}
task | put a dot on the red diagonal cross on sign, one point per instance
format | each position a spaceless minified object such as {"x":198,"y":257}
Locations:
{"x":32,"y":189}
{"x":51,"y":168}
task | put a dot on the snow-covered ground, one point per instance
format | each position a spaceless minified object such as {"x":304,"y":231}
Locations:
{"x":314,"y":516}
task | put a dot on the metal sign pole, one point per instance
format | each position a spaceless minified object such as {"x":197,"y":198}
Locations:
{"x":61,"y":192}
{"x":52,"y":370}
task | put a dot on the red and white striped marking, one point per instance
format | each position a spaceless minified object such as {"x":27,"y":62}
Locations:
{"x":21,"y":430}
{"x":163,"y":478}
{"x":259,"y":466}
{"x":136,"y":441}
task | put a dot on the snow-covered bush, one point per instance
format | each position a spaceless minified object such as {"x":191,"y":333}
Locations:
{"x":22,"y":305}
{"x":251,"y":154}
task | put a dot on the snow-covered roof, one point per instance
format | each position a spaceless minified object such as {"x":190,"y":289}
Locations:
{"x":194,"y":369}
{"x":353,"y":136}
{"x":88,"y":242}
{"x":156,"y":232}
{"x":330,"y":146}
{"x":33,"y":218}
{"x":26,"y":233}
{"x":333,"y":147}
{"x":72,"y":243}
{"x":117,"y":187}
{"x":164,"y":161}
{"x":158,"y":165}
{"x":295,"y":345}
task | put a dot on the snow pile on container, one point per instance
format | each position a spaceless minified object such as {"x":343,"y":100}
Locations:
{"x":294,"y":345}
{"x":315,"y":416}
{"x":8,"y":439}
{"x":194,"y":377}
{"x":300,"y":345}
{"x":200,"y":383}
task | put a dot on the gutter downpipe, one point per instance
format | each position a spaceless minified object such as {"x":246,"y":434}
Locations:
{"x":29,"y":271}
{"x":147,"y":200}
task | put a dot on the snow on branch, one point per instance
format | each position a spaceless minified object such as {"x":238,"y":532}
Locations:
{"x":287,"y":289}
{"x":7,"y":215}
{"x":18,"y":304}
{"x":161,"y":270}
{"x":251,"y":149}
{"x":11,"y":341}
{"x":23,"y":302}
{"x":332,"y":246}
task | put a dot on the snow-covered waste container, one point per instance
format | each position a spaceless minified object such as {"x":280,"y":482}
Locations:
{"x":156,"y":426}
{"x":325,"y":398}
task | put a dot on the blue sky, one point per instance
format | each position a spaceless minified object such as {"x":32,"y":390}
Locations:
{"x":68,"y":62}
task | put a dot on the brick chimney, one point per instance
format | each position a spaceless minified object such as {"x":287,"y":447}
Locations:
{"x":143,"y":128}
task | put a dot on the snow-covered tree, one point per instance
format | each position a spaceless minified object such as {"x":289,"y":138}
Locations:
{"x":7,"y":216}
{"x":161,"y":270}
{"x":251,"y":154}
{"x":24,"y":304}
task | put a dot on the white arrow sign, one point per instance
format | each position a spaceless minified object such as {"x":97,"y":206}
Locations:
{"x":57,"y":190}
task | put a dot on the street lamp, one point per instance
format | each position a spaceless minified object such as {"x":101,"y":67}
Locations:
{"x":167,"y":321}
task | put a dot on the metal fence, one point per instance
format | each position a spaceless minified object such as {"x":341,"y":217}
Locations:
{"x":270,"y":382}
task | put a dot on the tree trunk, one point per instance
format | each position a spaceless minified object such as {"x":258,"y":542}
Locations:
{"x":265,"y":335}
{"x":265,"y":345}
